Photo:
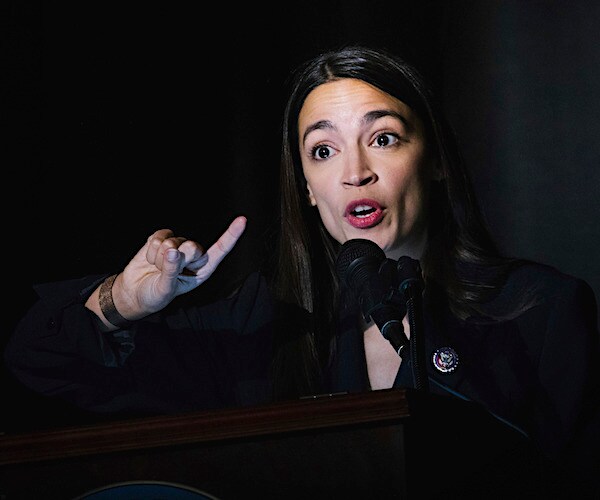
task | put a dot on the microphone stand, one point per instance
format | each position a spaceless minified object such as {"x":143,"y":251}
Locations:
{"x":411,"y":285}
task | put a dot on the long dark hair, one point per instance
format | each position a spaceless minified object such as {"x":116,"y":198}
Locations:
{"x":460,"y":258}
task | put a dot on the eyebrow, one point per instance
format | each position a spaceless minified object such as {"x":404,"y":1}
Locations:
{"x":321,"y":124}
{"x":370,"y":117}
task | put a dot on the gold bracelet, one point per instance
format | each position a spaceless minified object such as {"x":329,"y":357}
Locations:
{"x":107,"y":305}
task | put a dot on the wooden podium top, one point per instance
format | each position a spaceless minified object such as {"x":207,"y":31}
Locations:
{"x":396,"y":443}
{"x":310,"y":413}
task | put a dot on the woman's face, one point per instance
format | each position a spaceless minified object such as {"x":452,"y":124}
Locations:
{"x":366,"y":166}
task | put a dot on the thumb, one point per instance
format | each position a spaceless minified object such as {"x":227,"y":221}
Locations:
{"x":173,"y":263}
{"x":171,"y":267}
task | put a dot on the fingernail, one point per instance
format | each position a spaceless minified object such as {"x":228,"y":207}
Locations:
{"x":172,"y":255}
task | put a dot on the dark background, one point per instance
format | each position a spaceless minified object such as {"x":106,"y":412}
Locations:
{"x":122,"y":118}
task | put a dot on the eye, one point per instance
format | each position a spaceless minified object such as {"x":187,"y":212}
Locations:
{"x":321,"y":152}
{"x":384,"y":140}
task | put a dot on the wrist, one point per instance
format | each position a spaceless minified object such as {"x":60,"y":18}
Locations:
{"x":107,"y":304}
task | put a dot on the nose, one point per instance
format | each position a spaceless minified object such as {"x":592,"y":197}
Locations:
{"x":358,"y":171}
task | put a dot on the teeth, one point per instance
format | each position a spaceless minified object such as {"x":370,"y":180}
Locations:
{"x":362,"y":210}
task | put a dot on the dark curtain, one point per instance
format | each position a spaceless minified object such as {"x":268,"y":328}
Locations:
{"x":521,"y":85}
{"x":127,"y":117}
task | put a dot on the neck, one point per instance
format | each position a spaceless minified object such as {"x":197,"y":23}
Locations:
{"x":414,"y":248}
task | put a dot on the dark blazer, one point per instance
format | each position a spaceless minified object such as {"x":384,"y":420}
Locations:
{"x":535,"y":371}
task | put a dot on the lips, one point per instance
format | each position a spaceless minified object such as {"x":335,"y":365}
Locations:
{"x":363,"y":213}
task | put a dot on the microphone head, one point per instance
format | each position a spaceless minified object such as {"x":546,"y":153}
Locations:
{"x":355,"y":249}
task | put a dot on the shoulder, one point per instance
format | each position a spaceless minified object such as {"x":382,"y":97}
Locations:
{"x":536,"y":286}
{"x":541,"y":275}
{"x":548,"y":283}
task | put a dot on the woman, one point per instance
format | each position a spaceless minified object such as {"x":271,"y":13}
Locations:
{"x":366,"y":155}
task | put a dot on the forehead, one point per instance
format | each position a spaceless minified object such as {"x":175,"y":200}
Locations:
{"x":345,"y":98}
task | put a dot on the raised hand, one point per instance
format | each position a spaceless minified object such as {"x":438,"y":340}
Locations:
{"x":165,"y":267}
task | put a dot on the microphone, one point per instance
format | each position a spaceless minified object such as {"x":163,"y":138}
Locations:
{"x":363,"y":267}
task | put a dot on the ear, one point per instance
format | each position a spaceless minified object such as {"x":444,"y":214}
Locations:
{"x":310,"y":196}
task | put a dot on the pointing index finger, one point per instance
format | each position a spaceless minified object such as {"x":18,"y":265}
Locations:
{"x":219,"y":250}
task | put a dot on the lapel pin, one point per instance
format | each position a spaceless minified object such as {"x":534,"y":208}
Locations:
{"x":445,"y":359}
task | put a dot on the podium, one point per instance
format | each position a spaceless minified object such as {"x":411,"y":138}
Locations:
{"x":396,"y":443}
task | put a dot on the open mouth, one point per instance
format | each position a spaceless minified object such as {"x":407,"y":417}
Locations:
{"x":363,"y":214}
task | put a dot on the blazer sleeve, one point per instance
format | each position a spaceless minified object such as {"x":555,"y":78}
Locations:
{"x":202,"y":357}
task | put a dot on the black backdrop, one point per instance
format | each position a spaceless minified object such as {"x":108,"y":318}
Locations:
{"x":124,"y":117}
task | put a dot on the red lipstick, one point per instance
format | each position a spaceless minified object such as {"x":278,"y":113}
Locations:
{"x":363,"y":213}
